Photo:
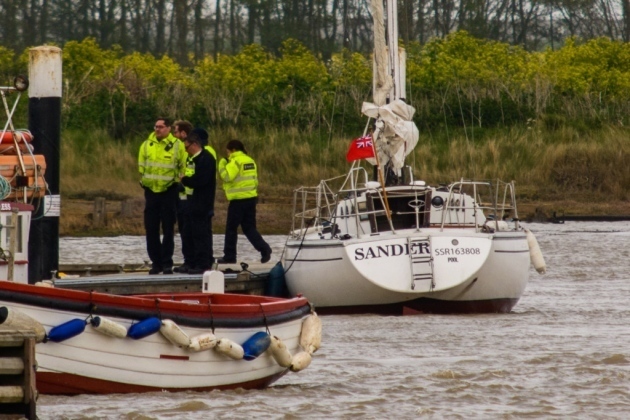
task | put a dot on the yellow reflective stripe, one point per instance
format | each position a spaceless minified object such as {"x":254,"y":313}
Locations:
{"x":158,"y":177}
{"x":242,"y":189}
{"x":244,"y":178}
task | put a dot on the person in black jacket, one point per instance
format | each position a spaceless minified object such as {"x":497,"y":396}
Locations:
{"x":181,"y":130}
{"x":200,"y":203}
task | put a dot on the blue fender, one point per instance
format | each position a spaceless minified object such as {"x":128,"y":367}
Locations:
{"x":256,"y":345}
{"x":144,"y":328}
{"x":66,"y":330}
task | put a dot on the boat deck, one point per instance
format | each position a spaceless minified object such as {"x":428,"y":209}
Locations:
{"x":137,"y":281}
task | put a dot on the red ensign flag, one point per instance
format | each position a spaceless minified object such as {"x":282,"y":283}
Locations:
{"x":360,"y":148}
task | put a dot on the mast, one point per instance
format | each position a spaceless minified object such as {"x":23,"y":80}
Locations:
{"x":396,"y":56}
{"x":395,"y":133}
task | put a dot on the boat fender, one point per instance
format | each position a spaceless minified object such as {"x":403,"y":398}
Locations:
{"x":108,"y":327}
{"x":144,"y":328}
{"x":280,"y":352}
{"x":256,"y":345}
{"x":171,"y":331}
{"x":230,"y":349}
{"x":500,"y":225}
{"x":20,"y":321}
{"x":67,"y":330}
{"x":45,"y":283}
{"x":276,"y":285}
{"x":311,"y":335}
{"x":300,"y":361}
{"x":535,"y":254}
{"x":202,"y":342}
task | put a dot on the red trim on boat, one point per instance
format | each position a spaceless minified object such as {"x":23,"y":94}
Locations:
{"x":173,"y":357}
{"x":223,"y":305}
{"x":69,"y":384}
{"x":425,"y":306}
{"x":18,"y":262}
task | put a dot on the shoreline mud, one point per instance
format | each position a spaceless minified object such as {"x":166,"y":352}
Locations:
{"x":124,"y":217}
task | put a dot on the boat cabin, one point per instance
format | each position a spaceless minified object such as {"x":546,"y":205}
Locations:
{"x":367,"y":208}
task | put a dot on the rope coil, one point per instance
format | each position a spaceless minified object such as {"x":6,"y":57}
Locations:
{"x":5,"y":188}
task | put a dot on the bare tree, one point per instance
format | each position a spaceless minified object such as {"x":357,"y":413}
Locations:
{"x":160,"y":33}
{"x":181,"y":25}
{"x":625,"y":20}
{"x":198,"y":29}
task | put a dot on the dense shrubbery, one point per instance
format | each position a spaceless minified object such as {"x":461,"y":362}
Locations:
{"x":455,"y":82}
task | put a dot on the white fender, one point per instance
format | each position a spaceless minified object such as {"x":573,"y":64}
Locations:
{"x":20,"y":321}
{"x":45,"y":283}
{"x":279,"y":352}
{"x":174,"y":334}
{"x":108,"y":327}
{"x":230,"y":349}
{"x":202,"y":342}
{"x":300,"y":361}
{"x":535,"y":254}
{"x":311,"y":335}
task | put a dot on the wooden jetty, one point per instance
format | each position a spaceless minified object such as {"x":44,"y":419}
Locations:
{"x":18,"y":393}
{"x":132,"y":280}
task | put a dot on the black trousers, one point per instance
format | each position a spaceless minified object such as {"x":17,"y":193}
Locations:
{"x":199,"y":233}
{"x":160,"y":210}
{"x":182,"y":218}
{"x":242,"y":213}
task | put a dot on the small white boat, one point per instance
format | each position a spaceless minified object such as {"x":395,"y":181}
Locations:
{"x":91,"y":342}
{"x":389,"y":243}
{"x":98,"y":343}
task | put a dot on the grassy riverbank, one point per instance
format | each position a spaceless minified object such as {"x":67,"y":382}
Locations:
{"x":565,"y":170}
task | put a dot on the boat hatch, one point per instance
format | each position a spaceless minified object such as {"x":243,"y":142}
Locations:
{"x":407,"y":209}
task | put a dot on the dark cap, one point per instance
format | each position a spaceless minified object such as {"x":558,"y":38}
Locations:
{"x":201,"y":134}
{"x":193,"y":138}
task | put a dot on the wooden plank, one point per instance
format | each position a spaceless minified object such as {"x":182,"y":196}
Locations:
{"x":10,"y":337}
{"x":11,"y":366}
{"x":99,"y":216}
{"x":11,"y":394}
{"x":30,"y":386}
{"x":17,"y":370}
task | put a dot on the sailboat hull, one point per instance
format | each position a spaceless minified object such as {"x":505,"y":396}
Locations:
{"x":483,"y":273}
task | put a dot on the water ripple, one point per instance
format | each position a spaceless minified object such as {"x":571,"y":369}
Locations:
{"x":562,"y":353}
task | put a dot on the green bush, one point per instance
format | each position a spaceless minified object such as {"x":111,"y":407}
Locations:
{"x":455,"y":82}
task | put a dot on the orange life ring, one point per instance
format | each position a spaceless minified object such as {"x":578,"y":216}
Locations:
{"x":9,"y":148}
{"x":21,"y":136}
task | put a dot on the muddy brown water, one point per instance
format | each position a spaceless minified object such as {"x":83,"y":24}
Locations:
{"x":564,"y":351}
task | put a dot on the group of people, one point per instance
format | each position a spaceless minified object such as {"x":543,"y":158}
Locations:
{"x":179,"y":171}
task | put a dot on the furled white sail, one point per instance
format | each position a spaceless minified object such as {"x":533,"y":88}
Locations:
{"x":396,"y":134}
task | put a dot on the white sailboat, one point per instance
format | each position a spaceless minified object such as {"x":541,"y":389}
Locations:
{"x":392,"y":244}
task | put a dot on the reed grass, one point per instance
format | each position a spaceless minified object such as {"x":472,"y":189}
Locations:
{"x":546,"y":164}
{"x":92,"y":163}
